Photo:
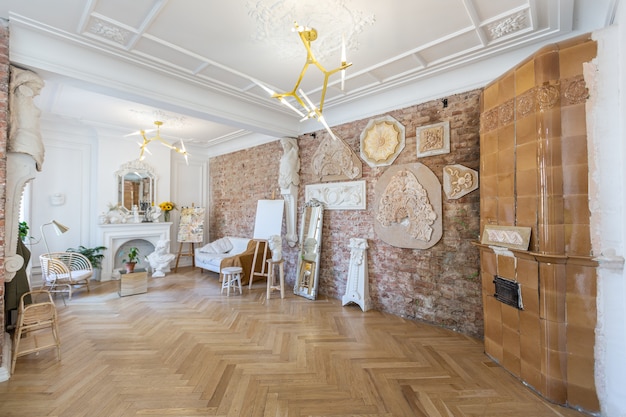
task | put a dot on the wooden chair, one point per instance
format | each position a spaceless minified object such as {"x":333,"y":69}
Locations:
{"x":38,"y":321}
{"x":65,"y":269}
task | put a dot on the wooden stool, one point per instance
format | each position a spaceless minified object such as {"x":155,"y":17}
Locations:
{"x":231,"y":277}
{"x":271,"y":277}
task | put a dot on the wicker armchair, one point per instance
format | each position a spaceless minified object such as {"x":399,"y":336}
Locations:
{"x":65,"y":269}
{"x":37,"y":319}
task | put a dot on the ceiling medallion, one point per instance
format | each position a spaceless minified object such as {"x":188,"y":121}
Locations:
{"x":333,"y":18}
{"x":382,"y":140}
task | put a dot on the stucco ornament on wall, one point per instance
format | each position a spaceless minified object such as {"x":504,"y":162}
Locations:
{"x":334,"y":160}
{"x":25,"y":156}
{"x":289,"y":182}
{"x":407,"y":207}
{"x":338,"y":195}
{"x":459,"y":180}
{"x":382,"y":140}
{"x":433,"y":139}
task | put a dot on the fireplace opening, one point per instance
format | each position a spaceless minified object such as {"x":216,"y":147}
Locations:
{"x":145,"y":249}
{"x":508,"y":292}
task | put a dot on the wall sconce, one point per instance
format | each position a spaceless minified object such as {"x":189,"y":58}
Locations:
{"x":57,"y":199}
{"x":58,"y":228}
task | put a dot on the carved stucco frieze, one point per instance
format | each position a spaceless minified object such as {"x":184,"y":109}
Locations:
{"x":459,"y":180}
{"x":338,"y":195}
{"x":108,"y":31}
{"x":514,"y":237}
{"x":334,"y":160}
{"x":407,"y":207}
{"x":508,"y":25}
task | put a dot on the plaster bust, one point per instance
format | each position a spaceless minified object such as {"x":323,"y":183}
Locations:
{"x":275,"y":244}
{"x":160,"y":259}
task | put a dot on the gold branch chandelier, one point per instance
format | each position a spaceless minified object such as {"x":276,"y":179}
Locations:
{"x":304,"y":106}
{"x":157,"y":137}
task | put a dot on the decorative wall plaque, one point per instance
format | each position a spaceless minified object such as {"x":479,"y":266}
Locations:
{"x":514,"y":237}
{"x":338,"y":195}
{"x":407,"y":207}
{"x":334,"y":160}
{"x":382,"y":140}
{"x":459,"y":180}
{"x":433,"y":139}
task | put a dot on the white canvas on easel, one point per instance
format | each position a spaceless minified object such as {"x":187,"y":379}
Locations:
{"x":269,"y":221}
{"x":269,"y":218}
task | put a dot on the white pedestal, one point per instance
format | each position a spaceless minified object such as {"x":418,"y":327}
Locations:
{"x":357,"y":287}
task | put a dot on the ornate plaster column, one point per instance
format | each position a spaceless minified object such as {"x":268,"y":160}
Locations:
{"x":357,"y":287}
{"x":25,"y":153}
{"x":289,"y":181}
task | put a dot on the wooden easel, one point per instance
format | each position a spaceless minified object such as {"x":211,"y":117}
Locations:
{"x":181,"y":253}
{"x":268,"y":222}
{"x":263,"y":272}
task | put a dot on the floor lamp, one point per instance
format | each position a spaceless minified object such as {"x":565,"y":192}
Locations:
{"x":58,"y":228}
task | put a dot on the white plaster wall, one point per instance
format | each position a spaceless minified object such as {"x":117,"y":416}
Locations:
{"x":80,"y":163}
{"x":189,"y":187}
{"x":114,"y":150}
{"x":607,"y":198}
{"x":68,"y":170}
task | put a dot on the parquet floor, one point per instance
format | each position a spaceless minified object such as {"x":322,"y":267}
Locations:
{"x":182,"y":349}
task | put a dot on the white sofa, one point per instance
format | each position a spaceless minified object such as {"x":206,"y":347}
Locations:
{"x":210,"y":256}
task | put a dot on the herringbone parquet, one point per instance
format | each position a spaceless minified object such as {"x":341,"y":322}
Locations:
{"x":182,"y":349}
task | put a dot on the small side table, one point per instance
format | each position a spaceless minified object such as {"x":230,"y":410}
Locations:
{"x":271,"y":277}
{"x":133,"y":283}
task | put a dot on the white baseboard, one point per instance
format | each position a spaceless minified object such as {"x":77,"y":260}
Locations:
{"x":5,"y":374}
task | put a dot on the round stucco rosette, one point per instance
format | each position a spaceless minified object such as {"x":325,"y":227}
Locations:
{"x":382,"y":140}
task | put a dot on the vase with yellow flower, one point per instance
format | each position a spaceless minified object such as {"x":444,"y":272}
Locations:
{"x":166,"y":207}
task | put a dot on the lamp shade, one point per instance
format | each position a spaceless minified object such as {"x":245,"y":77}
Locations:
{"x":58,"y":228}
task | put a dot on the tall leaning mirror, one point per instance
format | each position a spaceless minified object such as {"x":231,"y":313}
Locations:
{"x":310,"y":244}
{"x":136,"y":185}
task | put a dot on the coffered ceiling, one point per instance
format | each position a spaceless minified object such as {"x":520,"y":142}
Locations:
{"x":198,"y":65}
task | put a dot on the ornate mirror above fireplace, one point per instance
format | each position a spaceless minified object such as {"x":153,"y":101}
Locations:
{"x":136,"y":185}
{"x":307,"y":274}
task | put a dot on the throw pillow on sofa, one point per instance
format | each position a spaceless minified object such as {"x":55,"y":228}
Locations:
{"x":221,"y":245}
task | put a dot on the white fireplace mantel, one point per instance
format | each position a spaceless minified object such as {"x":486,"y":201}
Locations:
{"x":113,"y":236}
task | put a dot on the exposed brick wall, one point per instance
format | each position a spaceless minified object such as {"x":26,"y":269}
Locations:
{"x":439,"y":285}
{"x":4,"y":104}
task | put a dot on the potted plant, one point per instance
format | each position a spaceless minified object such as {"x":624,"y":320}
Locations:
{"x":94,"y":255}
{"x":23,"y":230}
{"x":131,"y":257}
